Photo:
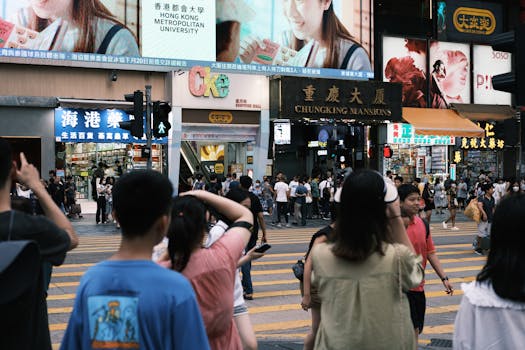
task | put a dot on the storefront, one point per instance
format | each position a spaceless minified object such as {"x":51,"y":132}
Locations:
{"x":220,"y":123}
{"x":329,"y":121}
{"x":416,"y":155}
{"x":86,"y":137}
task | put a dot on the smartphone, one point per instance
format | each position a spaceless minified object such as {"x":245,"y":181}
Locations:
{"x":262,"y":248}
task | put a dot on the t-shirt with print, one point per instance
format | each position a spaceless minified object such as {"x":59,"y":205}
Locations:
{"x":212,"y":272}
{"x":134,"y":304}
{"x":280,"y":189}
{"x":423,"y":245}
{"x":53,"y":243}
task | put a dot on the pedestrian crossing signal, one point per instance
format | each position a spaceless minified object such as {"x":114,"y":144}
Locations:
{"x":161,"y":123}
{"x":387,"y":152}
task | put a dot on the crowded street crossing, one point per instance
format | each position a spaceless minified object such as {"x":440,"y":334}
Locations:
{"x":276,"y":311}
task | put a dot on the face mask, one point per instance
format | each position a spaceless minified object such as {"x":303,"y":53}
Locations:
{"x":515,"y":188}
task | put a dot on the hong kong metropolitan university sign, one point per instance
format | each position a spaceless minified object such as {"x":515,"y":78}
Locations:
{"x":310,"y":98}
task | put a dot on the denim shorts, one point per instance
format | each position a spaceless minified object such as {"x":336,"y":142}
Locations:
{"x":484,"y":228}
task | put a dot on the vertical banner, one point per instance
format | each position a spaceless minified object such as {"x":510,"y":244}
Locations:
{"x":449,"y":77}
{"x":404,"y":61}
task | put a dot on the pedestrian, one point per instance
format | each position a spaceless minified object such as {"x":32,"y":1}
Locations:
{"x":419,"y":234}
{"x":462,"y":194}
{"x":300,"y":203}
{"x":325,"y":189}
{"x":24,"y":322}
{"x":214,"y":186}
{"x":363,"y":275}
{"x":492,"y":311}
{"x":514,"y":188}
{"x":486,"y":205}
{"x":211,"y":271}
{"x":70,"y":190}
{"x":110,"y":181}
{"x":398,"y":180}
{"x":440,"y":200}
{"x":315,"y":196}
{"x":258,"y":221}
{"x":309,"y":293}
{"x":129,"y":301}
{"x":452,"y":204}
{"x":268,"y":194}
{"x":282,"y":193}
{"x":100,"y":215}
{"x":428,"y":197}
{"x":291,"y":199}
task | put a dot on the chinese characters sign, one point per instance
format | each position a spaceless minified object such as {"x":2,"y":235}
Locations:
{"x":335,"y":99}
{"x":489,"y":142}
{"x":400,"y":133}
{"x":472,"y":20}
{"x":94,"y":125}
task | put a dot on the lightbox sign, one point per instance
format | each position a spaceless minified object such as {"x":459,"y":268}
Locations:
{"x":94,"y":125}
{"x":488,"y":63}
{"x":282,"y":132}
{"x":404,"y":134}
{"x":203,"y":83}
{"x":184,"y":33}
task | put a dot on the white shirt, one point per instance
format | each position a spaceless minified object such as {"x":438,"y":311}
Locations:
{"x":293,"y":186}
{"x":280,"y":189}
{"x":486,"y":321}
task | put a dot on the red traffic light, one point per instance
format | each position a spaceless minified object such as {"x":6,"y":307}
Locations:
{"x":387,"y":152}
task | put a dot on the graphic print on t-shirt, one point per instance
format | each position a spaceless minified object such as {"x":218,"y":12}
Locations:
{"x":113,"y":322}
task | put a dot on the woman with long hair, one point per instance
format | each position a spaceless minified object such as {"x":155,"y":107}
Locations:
{"x":492,"y":312}
{"x":428,"y":197}
{"x":318,"y":36}
{"x":452,"y":205}
{"x":91,"y":27}
{"x":212,"y":270}
{"x":363,"y":275}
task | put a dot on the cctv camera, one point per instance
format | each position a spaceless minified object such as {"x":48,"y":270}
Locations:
{"x":113,"y":76}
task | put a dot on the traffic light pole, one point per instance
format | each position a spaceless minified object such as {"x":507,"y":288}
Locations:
{"x":148,"y":125}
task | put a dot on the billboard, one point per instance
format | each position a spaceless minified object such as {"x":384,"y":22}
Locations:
{"x":404,"y":61}
{"x":449,"y":77}
{"x":488,"y":63}
{"x":262,"y":37}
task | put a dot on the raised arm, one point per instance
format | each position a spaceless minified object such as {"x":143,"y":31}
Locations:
{"x":28,"y":175}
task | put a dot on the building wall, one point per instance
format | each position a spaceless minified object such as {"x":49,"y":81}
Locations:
{"x":32,"y":122}
{"x":81,"y":83}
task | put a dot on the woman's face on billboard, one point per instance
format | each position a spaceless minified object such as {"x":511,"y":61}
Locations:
{"x":457,"y":74}
{"x":51,"y":9}
{"x":306,"y":17}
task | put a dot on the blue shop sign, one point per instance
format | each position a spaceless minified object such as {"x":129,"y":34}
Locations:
{"x":95,"y":125}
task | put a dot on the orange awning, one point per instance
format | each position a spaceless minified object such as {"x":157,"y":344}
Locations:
{"x":484,"y":112}
{"x":440,"y":122}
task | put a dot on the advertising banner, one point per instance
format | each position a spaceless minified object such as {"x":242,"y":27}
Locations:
{"x":404,"y":61}
{"x":405,"y":134}
{"x":261,"y":37}
{"x":449,"y":77}
{"x":94,"y":125}
{"x":333,"y":99}
{"x":488,"y":63}
{"x":465,"y":20}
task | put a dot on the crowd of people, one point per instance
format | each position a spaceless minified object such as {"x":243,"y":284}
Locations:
{"x":363,"y":275}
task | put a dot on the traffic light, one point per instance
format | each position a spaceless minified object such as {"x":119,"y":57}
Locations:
{"x":135,"y":125}
{"x":514,"y":81}
{"x":387,"y":151}
{"x":161,"y":123}
{"x":332,"y":148}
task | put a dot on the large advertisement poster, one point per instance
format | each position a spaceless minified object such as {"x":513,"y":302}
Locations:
{"x":314,"y":38}
{"x":404,"y":61}
{"x":449,"y":77}
{"x":488,"y":63}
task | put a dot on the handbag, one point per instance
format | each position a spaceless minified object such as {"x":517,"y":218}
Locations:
{"x":298,"y":269}
{"x":308,"y":199}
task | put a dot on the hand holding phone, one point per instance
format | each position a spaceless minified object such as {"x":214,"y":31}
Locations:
{"x":262,"y":248}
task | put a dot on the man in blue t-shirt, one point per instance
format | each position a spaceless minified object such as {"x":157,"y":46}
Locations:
{"x":129,"y":301}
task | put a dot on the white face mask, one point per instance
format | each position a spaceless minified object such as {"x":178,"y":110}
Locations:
{"x":515,"y":188}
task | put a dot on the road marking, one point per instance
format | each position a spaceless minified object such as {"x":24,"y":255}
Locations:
{"x":277,"y":326}
{"x":57,"y":327}
{"x":59,"y":310}
{"x":61,"y":297}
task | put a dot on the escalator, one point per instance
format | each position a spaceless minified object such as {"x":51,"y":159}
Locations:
{"x":190,"y":164}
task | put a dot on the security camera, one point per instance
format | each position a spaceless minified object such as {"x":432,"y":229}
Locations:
{"x":113,"y":76}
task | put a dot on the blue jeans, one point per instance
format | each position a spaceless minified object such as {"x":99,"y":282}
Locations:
{"x":247,"y":278}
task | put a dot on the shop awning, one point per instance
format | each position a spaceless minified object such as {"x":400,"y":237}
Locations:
{"x":440,"y":122}
{"x":484,"y":112}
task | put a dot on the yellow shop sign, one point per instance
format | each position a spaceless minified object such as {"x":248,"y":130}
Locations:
{"x":220,"y":117}
{"x":474,"y":20}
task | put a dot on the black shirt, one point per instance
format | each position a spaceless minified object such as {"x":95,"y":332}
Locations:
{"x":488,"y":206}
{"x":326,"y":231}
{"x":25,"y":322}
